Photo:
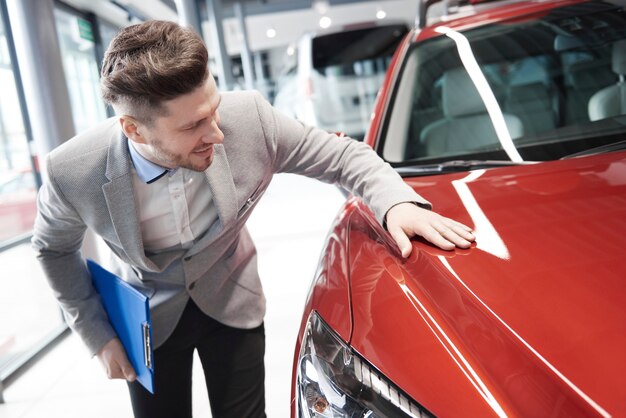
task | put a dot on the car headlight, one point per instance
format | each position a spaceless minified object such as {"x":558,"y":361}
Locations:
{"x":334,"y":382}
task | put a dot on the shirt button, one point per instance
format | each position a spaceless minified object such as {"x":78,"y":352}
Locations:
{"x":187,"y":258}
{"x":192,"y":285}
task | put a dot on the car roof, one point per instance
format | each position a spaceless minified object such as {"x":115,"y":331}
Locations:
{"x":479,"y":14}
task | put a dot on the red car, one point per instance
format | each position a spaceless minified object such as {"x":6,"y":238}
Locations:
{"x":510,"y":118}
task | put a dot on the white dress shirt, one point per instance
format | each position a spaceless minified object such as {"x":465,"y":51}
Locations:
{"x":174,"y":207}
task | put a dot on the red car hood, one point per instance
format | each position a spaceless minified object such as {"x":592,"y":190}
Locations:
{"x":531,"y":321}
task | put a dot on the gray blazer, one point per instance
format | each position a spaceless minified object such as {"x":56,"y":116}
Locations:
{"x":89,"y":185}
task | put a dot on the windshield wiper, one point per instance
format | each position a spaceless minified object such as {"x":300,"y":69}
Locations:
{"x":615,"y":146}
{"x":455,"y":166}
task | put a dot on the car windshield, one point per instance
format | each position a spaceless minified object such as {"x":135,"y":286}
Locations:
{"x":537,"y":88}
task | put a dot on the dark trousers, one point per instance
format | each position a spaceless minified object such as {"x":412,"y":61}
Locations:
{"x":232,"y":360}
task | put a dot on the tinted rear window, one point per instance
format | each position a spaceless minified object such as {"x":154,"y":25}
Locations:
{"x":346,"y":48}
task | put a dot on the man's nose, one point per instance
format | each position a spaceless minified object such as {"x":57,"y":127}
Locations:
{"x":214,"y":135}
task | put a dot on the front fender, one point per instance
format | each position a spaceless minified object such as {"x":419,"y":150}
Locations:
{"x":330,"y":292}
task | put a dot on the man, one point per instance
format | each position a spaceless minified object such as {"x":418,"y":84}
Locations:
{"x":169,"y":183}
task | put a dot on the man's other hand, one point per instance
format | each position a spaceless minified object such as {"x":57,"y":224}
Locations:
{"x":113,"y":358}
{"x":406,"y":220}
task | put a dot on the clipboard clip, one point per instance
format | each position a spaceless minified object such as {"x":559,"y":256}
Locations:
{"x":147,"y":345}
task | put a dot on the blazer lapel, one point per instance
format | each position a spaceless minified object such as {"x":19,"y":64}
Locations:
{"x":222,"y":186}
{"x":120,"y":200}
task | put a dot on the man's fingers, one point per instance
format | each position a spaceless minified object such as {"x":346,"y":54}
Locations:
{"x":436,"y":237}
{"x":129,"y":373}
{"x":122,"y":370}
{"x":114,"y":371}
{"x":457,"y":235}
{"x":463,"y":230}
{"x":405,"y":220}
{"x":460,"y":225}
{"x":115,"y":362}
{"x":402,"y":240}
{"x":126,"y":368}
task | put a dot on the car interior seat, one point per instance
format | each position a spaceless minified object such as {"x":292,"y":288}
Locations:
{"x":532,"y":103}
{"x":583,"y":78}
{"x":466,"y":124}
{"x":611,"y":101}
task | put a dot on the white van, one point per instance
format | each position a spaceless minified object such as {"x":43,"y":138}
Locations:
{"x":334,"y":77}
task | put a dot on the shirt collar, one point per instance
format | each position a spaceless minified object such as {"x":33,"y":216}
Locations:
{"x":147,"y":171}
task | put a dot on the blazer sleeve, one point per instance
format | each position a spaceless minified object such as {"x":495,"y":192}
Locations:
{"x":301,"y":149}
{"x":57,"y":238}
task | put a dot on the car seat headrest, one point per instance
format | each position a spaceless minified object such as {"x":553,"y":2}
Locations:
{"x":460,"y":96}
{"x":619,"y":57}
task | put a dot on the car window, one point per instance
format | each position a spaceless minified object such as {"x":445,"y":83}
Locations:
{"x":356,"y":52}
{"x":532,"y":81}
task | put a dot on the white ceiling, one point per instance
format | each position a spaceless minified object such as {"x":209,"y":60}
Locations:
{"x":288,"y":25}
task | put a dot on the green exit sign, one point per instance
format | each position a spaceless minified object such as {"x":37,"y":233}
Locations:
{"x":84,"y":29}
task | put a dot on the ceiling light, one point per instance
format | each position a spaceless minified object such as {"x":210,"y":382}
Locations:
{"x":325,"y":22}
{"x":381,"y":14}
{"x":270,"y":33}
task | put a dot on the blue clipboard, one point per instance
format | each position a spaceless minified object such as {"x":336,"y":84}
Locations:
{"x":129,"y":314}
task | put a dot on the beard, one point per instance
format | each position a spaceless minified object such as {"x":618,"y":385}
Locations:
{"x":194,"y":162}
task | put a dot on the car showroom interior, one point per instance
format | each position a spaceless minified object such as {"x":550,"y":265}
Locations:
{"x":312,"y":208}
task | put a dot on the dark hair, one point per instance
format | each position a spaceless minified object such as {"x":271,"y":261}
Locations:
{"x":149,"y":63}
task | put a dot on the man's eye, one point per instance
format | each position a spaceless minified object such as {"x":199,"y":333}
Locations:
{"x":195,"y":125}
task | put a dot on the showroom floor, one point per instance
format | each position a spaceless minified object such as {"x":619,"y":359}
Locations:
{"x":289,"y":227}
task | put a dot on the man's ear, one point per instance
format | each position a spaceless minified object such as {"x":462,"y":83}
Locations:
{"x":130,"y":127}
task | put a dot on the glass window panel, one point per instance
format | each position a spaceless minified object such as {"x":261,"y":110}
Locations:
{"x":28,"y":311}
{"x":17,"y":182}
{"x":27,"y":308}
{"x":81,"y":69}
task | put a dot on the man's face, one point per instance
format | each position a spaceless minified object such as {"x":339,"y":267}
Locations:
{"x":185,"y":137}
